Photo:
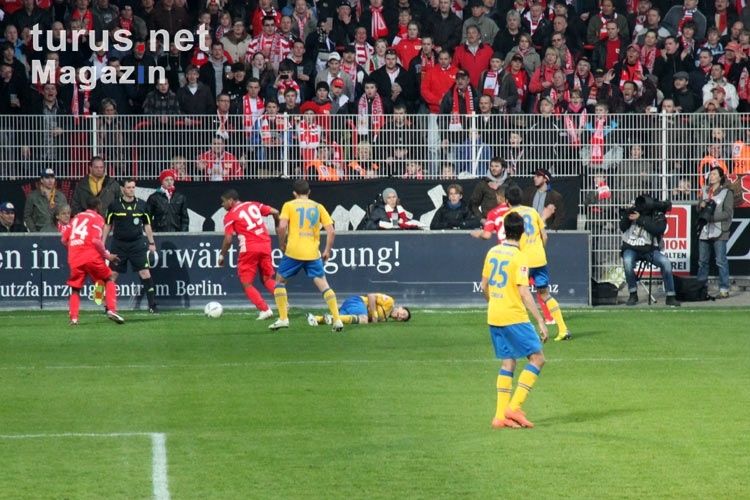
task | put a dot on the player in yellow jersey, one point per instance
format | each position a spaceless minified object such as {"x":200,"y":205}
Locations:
{"x":505,"y":284}
{"x":532,"y":244}
{"x":299,"y":238}
{"x":370,"y":308}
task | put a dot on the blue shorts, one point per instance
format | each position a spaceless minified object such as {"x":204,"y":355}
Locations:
{"x":288,"y":267}
{"x":515,"y":341}
{"x":353,"y":305}
{"x":540,"y":275}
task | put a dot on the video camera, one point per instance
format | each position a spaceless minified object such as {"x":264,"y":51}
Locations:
{"x":705,"y":215}
{"x":645,"y":205}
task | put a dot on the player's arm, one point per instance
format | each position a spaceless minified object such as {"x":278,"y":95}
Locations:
{"x":330,"y":236}
{"x":481,"y":234}
{"x":225,"y":247}
{"x":486,"y":287}
{"x":530,"y":304}
{"x":372,"y":307}
{"x":543,"y":235}
{"x":99,"y":245}
{"x":275,"y":214}
{"x":281,"y":231}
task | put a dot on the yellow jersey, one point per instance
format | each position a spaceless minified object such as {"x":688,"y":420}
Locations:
{"x":505,"y":268}
{"x":305,"y":218}
{"x":383,"y":306}
{"x":531,"y":241}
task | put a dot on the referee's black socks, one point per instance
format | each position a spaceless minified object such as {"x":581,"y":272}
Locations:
{"x":148,"y":285}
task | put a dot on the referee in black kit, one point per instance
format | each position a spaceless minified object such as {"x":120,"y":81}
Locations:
{"x":127,"y":219}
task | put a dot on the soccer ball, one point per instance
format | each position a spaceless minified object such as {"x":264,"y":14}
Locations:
{"x":213,"y":310}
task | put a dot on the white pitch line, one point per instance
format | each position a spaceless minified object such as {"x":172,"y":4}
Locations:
{"x":158,"y":453}
{"x":159,"y":467}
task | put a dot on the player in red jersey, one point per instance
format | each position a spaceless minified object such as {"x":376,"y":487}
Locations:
{"x":86,"y":256}
{"x":494,"y":221}
{"x":494,"y":224}
{"x":245,"y":218}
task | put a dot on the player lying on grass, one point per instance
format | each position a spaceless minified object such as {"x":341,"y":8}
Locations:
{"x":370,"y":308}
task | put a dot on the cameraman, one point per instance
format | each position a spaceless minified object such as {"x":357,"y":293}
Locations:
{"x":715,"y":212}
{"x":643,"y":226}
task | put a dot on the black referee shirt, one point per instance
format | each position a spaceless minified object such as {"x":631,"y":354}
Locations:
{"x":127,"y":219}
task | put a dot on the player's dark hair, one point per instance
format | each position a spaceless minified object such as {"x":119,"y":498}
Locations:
{"x":514,"y":195}
{"x":230,"y":194}
{"x":93,"y":203}
{"x":513,"y":225}
{"x":301,"y":187}
{"x":408,"y":312}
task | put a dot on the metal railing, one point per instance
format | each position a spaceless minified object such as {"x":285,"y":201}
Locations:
{"x":618,"y":156}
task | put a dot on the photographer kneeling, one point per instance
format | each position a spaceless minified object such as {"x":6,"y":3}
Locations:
{"x":643,"y":226}
{"x":715,"y":212}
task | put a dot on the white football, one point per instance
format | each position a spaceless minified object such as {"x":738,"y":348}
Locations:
{"x":213,"y":310}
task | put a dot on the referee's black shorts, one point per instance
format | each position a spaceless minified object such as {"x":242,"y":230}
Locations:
{"x":135,"y":252}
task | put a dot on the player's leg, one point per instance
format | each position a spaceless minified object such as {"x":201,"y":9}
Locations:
{"x":353,"y":311}
{"x":137,"y":254}
{"x":504,"y":378}
{"x":246,"y":270}
{"x":524,"y":342}
{"x":314,"y":270}
{"x":541,"y":277}
{"x":75,"y":282}
{"x":288,"y":267}
{"x":266,"y":272}
{"x":542,"y":305}
{"x":99,"y":271}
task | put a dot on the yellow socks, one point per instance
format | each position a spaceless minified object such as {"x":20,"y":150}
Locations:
{"x":504,"y":385}
{"x":330,"y":297}
{"x":525,"y":382}
{"x":279,"y":294}
{"x":554,"y":310}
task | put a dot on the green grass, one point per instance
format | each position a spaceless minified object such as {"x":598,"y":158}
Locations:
{"x":644,"y":403}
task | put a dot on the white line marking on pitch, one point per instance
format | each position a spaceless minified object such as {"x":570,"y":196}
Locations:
{"x":158,"y":453}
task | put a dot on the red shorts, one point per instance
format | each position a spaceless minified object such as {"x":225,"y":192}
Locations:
{"x":250,"y":262}
{"x":96,"y":268}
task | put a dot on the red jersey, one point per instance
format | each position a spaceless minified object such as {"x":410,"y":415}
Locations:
{"x":246,"y":219}
{"x":494,"y":222}
{"x":83,"y":237}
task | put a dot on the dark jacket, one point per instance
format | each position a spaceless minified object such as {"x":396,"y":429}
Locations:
{"x":483,"y":199}
{"x":168,"y":215}
{"x":454,"y":218}
{"x":557,"y":219}
{"x":109,"y":193}
{"x":654,"y":224}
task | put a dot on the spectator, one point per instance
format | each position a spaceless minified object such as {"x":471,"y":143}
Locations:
{"x":377,"y":59}
{"x":413,"y":171}
{"x":410,"y":46}
{"x":598,"y":30}
{"x":168,"y":16}
{"x":698,"y":77}
{"x":61,"y":220}
{"x":489,"y":124}
{"x":195,"y":97}
{"x":309,"y":133}
{"x":718,"y":81}
{"x":379,"y":19}
{"x":96,"y":184}
{"x":677,"y":16}
{"x":168,"y":208}
{"x":425,"y":60}
{"x":545,"y":200}
{"x":541,"y":80}
{"x":444,"y":27}
{"x":351,"y":67}
{"x":274,"y":47}
{"x":473,"y":56}
{"x":400,"y":142}
{"x":684,"y":99}
{"x":50,"y":143}
{"x":454,"y":213}
{"x":134,"y":26}
{"x":334,"y":71}
{"x":714,"y":158}
{"x":40,"y":204}
{"x":652,"y":23}
{"x":104,"y":13}
{"x":568,"y":57}
{"x":139,"y":59}
{"x":344,"y":24}
{"x":303,"y":69}
{"x":604,"y":150}
{"x":323,"y":167}
{"x":319,"y":45}
{"x":291,"y":104}
{"x":509,"y":37}
{"x":483,"y":198}
{"x":643,"y":229}
{"x":236,"y":41}
{"x":339,"y":101}
{"x":271,"y":136}
{"x":472,"y":157}
{"x":521,"y":78}
{"x":213,"y":73}
{"x":536,"y":24}
{"x":363,"y":166}
{"x":13,"y":91}
{"x":284,"y":80}
{"x":251,"y":106}
{"x":110,"y":138}
{"x":8,"y":222}
{"x":260,"y":69}
{"x":461,"y":100}
{"x":438,"y":81}
{"x":363,"y":51}
{"x":29,"y":16}
{"x":389,"y":214}
{"x":161,"y":102}
{"x":395,"y":84}
{"x":714,"y":232}
{"x":499,"y":85}
{"x":371,"y":111}
{"x":486,"y":26}
{"x":178,"y":165}
{"x":217,"y":164}
{"x":609,"y":50}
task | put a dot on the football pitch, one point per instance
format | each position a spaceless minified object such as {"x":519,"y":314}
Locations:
{"x":642,"y":403}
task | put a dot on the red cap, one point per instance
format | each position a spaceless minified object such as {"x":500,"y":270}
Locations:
{"x":308,"y":106}
{"x":165,"y":174}
{"x":720,"y":89}
{"x":634,"y":46}
{"x":733,"y":46}
{"x":337,"y":82}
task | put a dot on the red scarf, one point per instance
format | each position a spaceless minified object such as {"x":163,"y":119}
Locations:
{"x":721,"y":23}
{"x":265,"y":127}
{"x":603,"y":29}
{"x":309,"y":139}
{"x":522,"y":83}
{"x":490,"y":86}
{"x":219,"y":33}
{"x":572,"y":129}
{"x":378,"y":28}
{"x":631,"y":6}
{"x":742,"y":87}
{"x":288,"y":84}
{"x":126,"y":24}
{"x":686,"y":16}
{"x":631,"y":73}
{"x":649,"y":56}
{"x":363,"y":112}
{"x":351,"y":71}
{"x":532,"y":25}
{"x":248,"y":114}
{"x":301,"y":23}
{"x":602,"y":191}
{"x":87,"y":19}
{"x":455,"y":112}
{"x":640,"y":22}
{"x":597,"y":143}
{"x":364,"y":51}
{"x":222,"y":130}
{"x":740,"y":5}
{"x":570,"y":65}
{"x":74,"y":104}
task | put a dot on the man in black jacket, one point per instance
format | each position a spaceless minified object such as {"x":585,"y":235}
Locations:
{"x":167,"y":207}
{"x":642,"y":226}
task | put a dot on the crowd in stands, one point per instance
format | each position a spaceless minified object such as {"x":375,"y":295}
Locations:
{"x":543,"y":78}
